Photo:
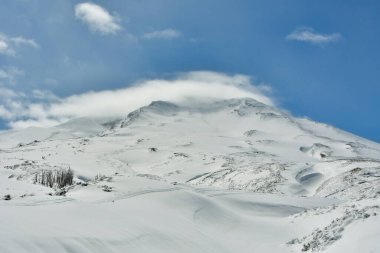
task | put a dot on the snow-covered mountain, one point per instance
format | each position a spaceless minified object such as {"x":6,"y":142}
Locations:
{"x":219,"y":176}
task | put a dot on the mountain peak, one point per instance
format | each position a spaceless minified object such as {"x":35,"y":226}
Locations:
{"x":182,"y":160}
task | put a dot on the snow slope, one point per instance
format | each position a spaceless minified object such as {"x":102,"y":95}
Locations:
{"x":220,"y":176}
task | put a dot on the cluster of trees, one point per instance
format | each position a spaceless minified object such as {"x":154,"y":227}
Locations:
{"x":54,"y":178}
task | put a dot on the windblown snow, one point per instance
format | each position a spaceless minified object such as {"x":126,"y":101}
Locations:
{"x":230,"y":175}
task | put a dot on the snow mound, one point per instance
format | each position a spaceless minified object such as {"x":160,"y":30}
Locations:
{"x":317,"y":150}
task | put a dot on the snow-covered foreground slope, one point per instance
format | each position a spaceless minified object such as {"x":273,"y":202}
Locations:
{"x":220,"y":176}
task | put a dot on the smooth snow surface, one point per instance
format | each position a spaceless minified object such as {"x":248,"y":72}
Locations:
{"x":224,"y":176}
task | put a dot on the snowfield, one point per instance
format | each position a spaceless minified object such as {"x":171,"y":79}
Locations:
{"x":220,"y":176}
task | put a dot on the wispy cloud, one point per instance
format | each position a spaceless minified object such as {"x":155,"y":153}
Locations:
{"x":200,"y":85}
{"x":98,"y":19}
{"x":8,"y":44}
{"x":8,"y":75}
{"x":163,"y":34}
{"x":307,"y":34}
{"x":10,"y":104}
{"x":23,"y":41}
{"x":16,"y":104}
{"x":5,"y":48}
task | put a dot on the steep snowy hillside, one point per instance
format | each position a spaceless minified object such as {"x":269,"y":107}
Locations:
{"x":220,"y":176}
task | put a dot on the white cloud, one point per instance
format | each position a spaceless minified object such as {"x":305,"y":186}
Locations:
{"x":10,"y":104}
{"x":44,"y":95}
{"x":163,"y":34}
{"x":97,"y":18}
{"x":199,"y":85}
{"x":307,"y":34}
{"x":5,"y":48}
{"x":6,"y":93}
{"x":8,"y":75}
{"x":32,"y":123}
{"x":5,"y":113}
{"x":9,"y":44}
{"x":23,"y":41}
{"x":16,"y":104}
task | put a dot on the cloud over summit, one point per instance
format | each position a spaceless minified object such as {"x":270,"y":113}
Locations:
{"x":118,"y":103}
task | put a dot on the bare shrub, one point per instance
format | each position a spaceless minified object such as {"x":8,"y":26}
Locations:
{"x":7,"y":197}
{"x":101,"y":177}
{"x":55,"y":178}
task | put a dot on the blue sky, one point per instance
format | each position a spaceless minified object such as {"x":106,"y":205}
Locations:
{"x":321,"y":58}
